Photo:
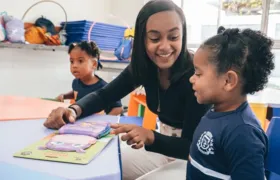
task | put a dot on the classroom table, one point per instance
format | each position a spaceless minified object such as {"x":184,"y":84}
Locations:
{"x":22,"y":108}
{"x":15,"y":135}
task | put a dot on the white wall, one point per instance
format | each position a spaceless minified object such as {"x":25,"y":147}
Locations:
{"x":46,"y":74}
{"x":126,"y":10}
{"x":96,"y":10}
{"x":26,"y":72}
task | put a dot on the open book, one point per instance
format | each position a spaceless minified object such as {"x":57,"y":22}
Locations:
{"x":75,"y":143}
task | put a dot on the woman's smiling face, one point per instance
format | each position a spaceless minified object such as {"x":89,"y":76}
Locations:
{"x":163,"y":39}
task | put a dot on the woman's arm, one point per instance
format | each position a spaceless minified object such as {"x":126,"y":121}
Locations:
{"x":156,"y":142}
{"x":179,"y":147}
{"x":170,"y":146}
{"x":112,"y":92}
{"x":115,"y":111}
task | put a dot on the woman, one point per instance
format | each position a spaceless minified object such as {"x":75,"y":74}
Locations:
{"x":161,"y":63}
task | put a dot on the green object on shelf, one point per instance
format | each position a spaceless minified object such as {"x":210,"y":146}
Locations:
{"x":141,"y":110}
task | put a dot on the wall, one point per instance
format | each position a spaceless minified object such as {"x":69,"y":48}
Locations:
{"x":126,"y":10}
{"x":76,"y":10}
{"x":46,"y":74}
{"x":40,"y":74}
{"x":109,"y":11}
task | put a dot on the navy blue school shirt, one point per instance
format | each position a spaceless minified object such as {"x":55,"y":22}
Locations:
{"x":80,"y":90}
{"x":228,"y":145}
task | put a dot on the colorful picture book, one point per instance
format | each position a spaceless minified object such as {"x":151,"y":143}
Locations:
{"x":75,"y":143}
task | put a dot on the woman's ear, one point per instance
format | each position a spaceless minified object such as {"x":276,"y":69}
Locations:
{"x":231,"y":80}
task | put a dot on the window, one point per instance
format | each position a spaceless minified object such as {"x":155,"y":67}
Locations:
{"x":241,"y":14}
{"x":276,"y":71}
{"x":204,"y":16}
{"x":208,"y":31}
{"x":201,"y":16}
{"x":277,"y":31}
{"x":273,"y":28}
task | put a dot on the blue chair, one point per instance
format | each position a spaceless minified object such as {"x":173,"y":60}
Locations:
{"x":273,"y":176}
{"x":273,"y":157}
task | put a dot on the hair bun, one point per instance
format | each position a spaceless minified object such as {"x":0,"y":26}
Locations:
{"x":231,"y":32}
{"x":221,"y":29}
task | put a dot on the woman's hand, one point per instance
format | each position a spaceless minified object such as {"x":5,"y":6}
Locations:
{"x":135,"y":135}
{"x":58,"y":117}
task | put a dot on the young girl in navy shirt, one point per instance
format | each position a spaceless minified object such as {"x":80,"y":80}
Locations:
{"x":229,"y":142}
{"x":84,"y":60}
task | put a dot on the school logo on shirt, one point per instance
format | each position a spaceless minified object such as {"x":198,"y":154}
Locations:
{"x":205,"y":143}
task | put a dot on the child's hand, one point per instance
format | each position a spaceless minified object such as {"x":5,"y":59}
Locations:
{"x":135,"y":135}
{"x":60,"y":98}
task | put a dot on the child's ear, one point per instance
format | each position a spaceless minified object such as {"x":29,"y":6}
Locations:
{"x":231,"y":80}
{"x":94,"y":63}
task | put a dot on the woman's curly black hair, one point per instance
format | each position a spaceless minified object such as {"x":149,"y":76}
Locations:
{"x":247,"y":52}
{"x":90,"y":48}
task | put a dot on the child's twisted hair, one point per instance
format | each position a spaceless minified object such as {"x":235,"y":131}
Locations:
{"x":247,"y":52}
{"x":90,"y":48}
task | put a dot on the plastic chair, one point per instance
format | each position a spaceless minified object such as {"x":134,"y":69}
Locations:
{"x":273,"y":176}
{"x":273,"y":157}
{"x":149,"y":118}
{"x":275,"y":109}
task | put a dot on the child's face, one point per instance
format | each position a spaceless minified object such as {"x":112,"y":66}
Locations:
{"x":207,"y":84}
{"x":81,"y":63}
